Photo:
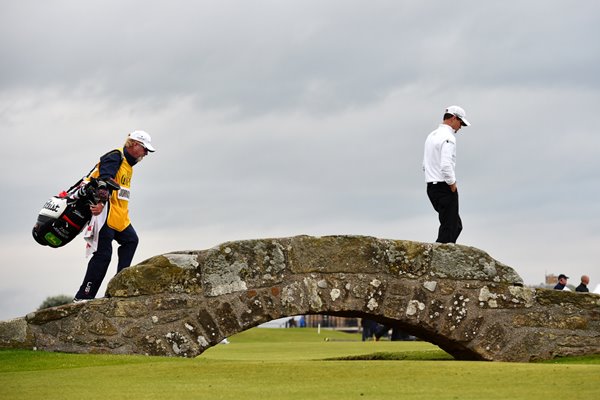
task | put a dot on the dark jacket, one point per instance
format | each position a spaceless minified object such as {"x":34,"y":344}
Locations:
{"x":559,"y":286}
{"x":582,"y":288}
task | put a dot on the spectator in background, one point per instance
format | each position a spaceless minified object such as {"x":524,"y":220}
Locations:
{"x":291,"y":323}
{"x":302,"y":323}
{"x":369,"y":327}
{"x":562,"y":283}
{"x":585,"y":280}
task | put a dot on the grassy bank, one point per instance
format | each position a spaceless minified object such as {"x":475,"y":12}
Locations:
{"x":292,"y":364}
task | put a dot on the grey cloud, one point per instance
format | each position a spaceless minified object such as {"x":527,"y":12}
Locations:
{"x":267,"y":56}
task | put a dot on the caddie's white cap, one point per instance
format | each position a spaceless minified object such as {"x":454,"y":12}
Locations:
{"x":144,"y":138}
{"x":460,"y":113}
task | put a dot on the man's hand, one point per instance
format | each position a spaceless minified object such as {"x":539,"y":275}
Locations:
{"x":102,"y":194}
{"x":97,"y":209}
{"x":453,"y":187}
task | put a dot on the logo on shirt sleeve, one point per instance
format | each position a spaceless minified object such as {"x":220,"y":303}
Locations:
{"x":124,"y":194}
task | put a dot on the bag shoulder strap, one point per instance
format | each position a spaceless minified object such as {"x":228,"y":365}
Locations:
{"x":76,"y":184}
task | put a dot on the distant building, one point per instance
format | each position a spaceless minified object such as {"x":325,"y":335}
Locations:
{"x":551,"y":279}
{"x":314,"y":321}
{"x":330,"y":321}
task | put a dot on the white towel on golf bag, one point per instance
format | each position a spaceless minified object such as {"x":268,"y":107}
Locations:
{"x":92,"y":231}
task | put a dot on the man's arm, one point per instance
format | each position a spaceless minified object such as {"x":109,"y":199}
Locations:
{"x":110,"y":164}
{"x":447,"y":161}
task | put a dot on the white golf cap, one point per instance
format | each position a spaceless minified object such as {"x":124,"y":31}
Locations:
{"x":144,"y":138}
{"x":460,"y":113}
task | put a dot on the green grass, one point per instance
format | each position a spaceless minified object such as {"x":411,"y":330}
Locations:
{"x":298,"y":344}
{"x":575,"y":360}
{"x":293,"y":364}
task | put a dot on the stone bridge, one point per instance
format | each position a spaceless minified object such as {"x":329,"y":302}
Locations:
{"x":457,"y":297}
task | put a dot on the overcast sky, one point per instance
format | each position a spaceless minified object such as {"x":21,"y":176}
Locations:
{"x":279,"y":118}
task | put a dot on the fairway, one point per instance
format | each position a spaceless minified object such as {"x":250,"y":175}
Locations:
{"x":292,"y":364}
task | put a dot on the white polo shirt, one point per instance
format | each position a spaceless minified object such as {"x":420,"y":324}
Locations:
{"x":439,"y":157}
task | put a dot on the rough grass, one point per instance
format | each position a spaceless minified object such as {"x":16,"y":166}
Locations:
{"x":292,"y":364}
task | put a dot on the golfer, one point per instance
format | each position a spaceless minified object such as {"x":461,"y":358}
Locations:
{"x":439,"y":162}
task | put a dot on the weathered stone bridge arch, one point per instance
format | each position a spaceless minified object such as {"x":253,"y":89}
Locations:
{"x":457,"y":297}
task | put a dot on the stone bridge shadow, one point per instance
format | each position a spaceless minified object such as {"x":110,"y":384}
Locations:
{"x":457,"y":297}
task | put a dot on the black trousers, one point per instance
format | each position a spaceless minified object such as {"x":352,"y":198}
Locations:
{"x":445,"y":202}
{"x":98,"y":265}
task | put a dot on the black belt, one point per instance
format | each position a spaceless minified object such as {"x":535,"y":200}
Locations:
{"x":434,"y":183}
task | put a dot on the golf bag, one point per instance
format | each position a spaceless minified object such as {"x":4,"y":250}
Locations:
{"x":64,"y":216}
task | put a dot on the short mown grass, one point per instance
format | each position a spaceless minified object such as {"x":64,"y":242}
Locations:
{"x":293,"y":364}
